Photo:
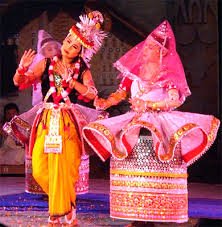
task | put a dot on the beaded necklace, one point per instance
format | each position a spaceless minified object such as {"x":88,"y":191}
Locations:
{"x":57,"y":83}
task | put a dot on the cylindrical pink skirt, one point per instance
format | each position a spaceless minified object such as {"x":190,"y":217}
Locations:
{"x":145,"y":189}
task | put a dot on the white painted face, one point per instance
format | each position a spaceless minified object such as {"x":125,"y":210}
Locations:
{"x":51,"y":49}
{"x":150,"y":61}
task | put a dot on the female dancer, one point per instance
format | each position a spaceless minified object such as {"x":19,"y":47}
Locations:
{"x":56,"y":142}
{"x":149,"y":171}
{"x":47,"y":47}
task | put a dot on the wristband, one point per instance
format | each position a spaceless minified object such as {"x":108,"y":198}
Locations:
{"x":22,"y":70}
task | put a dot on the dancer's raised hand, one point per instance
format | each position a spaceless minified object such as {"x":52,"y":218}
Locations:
{"x":27,"y":58}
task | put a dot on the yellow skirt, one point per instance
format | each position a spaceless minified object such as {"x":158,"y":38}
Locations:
{"x":57,"y":173}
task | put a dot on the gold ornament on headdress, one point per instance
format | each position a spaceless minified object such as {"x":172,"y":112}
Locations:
{"x":88,"y":33}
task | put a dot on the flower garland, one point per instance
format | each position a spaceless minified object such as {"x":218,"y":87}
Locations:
{"x":56,"y":81}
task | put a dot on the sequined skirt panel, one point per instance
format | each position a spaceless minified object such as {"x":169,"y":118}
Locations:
{"x":145,"y":189}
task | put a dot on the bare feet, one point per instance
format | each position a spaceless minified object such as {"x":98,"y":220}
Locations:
{"x":70,"y":218}
{"x":53,"y":221}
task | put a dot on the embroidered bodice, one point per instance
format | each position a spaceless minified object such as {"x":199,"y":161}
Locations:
{"x":148,"y":92}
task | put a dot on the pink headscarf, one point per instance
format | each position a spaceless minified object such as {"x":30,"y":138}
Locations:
{"x":44,"y":38}
{"x":171,"y":68}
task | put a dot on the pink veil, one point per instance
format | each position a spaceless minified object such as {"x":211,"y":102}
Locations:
{"x":171,"y":68}
{"x":44,"y":38}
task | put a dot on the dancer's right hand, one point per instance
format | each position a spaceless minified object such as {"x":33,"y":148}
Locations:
{"x":27,"y":58}
{"x":100,"y":103}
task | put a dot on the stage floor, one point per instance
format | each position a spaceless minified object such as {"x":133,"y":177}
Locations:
{"x":16,"y":185}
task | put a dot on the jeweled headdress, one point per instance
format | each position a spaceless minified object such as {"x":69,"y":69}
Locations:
{"x":88,"y":32}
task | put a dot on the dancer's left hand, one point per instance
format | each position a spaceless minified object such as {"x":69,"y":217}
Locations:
{"x":138,"y":105}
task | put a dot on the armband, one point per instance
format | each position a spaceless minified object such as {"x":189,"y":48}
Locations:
{"x":90,"y":90}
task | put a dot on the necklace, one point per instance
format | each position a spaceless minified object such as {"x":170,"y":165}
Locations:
{"x":57,"y":83}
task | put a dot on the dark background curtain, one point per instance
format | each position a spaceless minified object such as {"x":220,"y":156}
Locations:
{"x":8,"y":68}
